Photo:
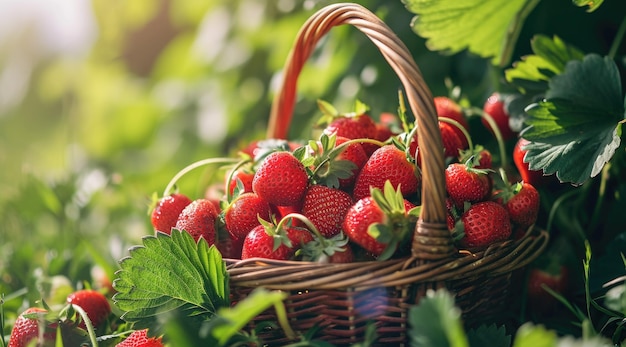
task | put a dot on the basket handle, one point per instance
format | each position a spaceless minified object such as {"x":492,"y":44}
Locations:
{"x":432,"y":239}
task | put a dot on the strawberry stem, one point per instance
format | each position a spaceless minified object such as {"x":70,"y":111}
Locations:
{"x":240,"y":164}
{"x":197,"y":164}
{"x":304,"y":220}
{"x":496,"y":132}
{"x":460,"y":127}
{"x":88,"y":324}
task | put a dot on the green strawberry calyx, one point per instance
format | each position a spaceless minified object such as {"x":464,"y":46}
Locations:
{"x":397,"y":224}
{"x":278,"y":231}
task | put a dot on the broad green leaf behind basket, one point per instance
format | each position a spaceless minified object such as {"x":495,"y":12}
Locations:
{"x":486,"y":28}
{"x":171,"y":273}
{"x":576,"y":130}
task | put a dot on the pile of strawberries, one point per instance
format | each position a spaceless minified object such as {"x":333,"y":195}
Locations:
{"x":85,"y":310}
{"x":354,"y":192}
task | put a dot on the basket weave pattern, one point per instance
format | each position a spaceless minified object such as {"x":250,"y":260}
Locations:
{"x":340,"y":299}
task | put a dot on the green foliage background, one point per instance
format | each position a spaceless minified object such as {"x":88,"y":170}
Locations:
{"x":167,"y":83}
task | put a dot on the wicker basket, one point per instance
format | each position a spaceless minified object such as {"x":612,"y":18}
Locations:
{"x":340,"y":299}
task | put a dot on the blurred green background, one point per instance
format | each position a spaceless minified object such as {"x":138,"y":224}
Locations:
{"x":103,"y":101}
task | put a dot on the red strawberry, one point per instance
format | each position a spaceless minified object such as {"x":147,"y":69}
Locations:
{"x":326,"y":208}
{"x":484,"y":223}
{"x":466,"y":184}
{"x":198,"y":219}
{"x":448,"y":108}
{"x":355,"y":153}
{"x":243,"y":178}
{"x":243,"y":214}
{"x":380,"y":222}
{"x":281,"y":179}
{"x":494,"y":106}
{"x":165,"y":213}
{"x":534,"y":177}
{"x":360,"y":126}
{"x":387,"y":163}
{"x":272,"y":242}
{"x":522,"y":202}
{"x":94,"y":303}
{"x":556,"y":277}
{"x":481,"y":157}
{"x":452,"y":144}
{"x":139,"y":338}
{"x":26,"y":329}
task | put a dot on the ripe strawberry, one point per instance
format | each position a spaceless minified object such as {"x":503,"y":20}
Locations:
{"x":273,"y":242}
{"x":481,"y":157}
{"x":139,"y":338}
{"x":494,"y":106}
{"x":484,"y":223}
{"x":243,"y":178}
{"x":326,"y":208}
{"x":448,"y":108}
{"x":281,"y":179}
{"x":534,"y":177}
{"x":554,"y":276}
{"x":380,"y":223}
{"x":452,"y":144}
{"x":243,"y":214}
{"x":387,"y":163}
{"x":355,"y":153}
{"x":466,"y":184}
{"x":94,"y":303}
{"x":521,"y":200}
{"x":165,"y":213}
{"x":360,"y":126}
{"x":198,"y":219}
{"x":26,"y":329}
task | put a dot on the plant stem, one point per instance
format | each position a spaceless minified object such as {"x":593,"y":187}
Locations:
{"x":619,"y":36}
{"x":88,"y":324}
{"x":496,"y":132}
{"x":195,"y":165}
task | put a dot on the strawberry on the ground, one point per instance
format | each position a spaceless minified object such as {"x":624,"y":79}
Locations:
{"x":94,"y":303}
{"x":326,"y":208}
{"x":388,"y":163}
{"x":165,"y":213}
{"x":466,"y":184}
{"x":483,"y":224}
{"x":198,"y":219}
{"x":534,"y":177}
{"x":281,"y":179}
{"x":243,"y":214}
{"x":449,"y":108}
{"x":554,"y":276}
{"x":380,"y":222}
{"x":495,"y":107}
{"x":140,"y":338}
{"x":26,"y":329}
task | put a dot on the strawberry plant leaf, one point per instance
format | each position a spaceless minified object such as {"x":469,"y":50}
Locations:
{"x":436,"y":321}
{"x":489,"y":335}
{"x":529,"y":335}
{"x":576,"y":129}
{"x":170,"y":273}
{"x":486,"y":28}
{"x":548,"y":59}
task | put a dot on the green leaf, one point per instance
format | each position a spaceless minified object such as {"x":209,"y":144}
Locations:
{"x":591,"y":4}
{"x":575,"y":131}
{"x":489,"y":335}
{"x":529,"y":335}
{"x":171,"y":273}
{"x":436,"y":322}
{"x":232,"y":320}
{"x":486,"y":28}
{"x":549,"y":59}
